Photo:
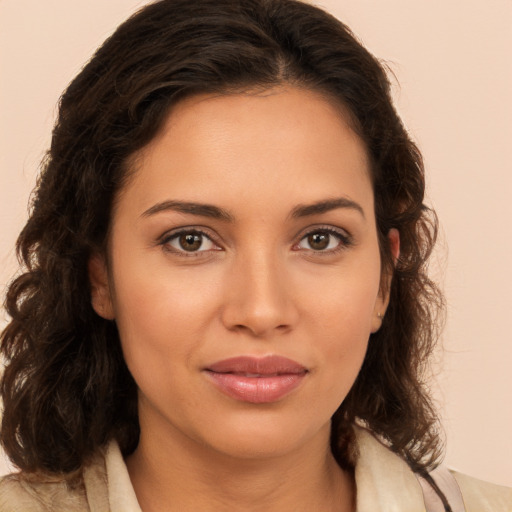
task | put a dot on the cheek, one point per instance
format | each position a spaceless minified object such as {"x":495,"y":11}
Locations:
{"x":159,"y":326}
{"x":344,"y":302}
{"x":339,"y":319}
{"x":160,"y":314}
{"x":343,"y":344}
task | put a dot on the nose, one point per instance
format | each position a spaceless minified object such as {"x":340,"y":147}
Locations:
{"x":259,"y":297}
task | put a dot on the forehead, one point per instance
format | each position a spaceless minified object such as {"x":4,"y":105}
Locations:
{"x":285,"y":143}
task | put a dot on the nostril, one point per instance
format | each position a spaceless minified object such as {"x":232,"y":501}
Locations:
{"x":259,"y":330}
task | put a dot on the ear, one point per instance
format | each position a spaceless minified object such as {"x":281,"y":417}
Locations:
{"x":101,"y":299}
{"x":394,"y":244}
{"x":382,"y":301}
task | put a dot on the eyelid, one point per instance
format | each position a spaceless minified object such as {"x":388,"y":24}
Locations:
{"x":346,"y":239}
{"x":172,"y":234}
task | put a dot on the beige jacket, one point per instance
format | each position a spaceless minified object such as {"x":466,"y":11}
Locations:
{"x":384,"y":484}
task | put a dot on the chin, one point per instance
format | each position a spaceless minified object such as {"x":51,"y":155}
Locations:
{"x":262,"y":436}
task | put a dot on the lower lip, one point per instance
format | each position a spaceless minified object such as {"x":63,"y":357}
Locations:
{"x":256,"y":390}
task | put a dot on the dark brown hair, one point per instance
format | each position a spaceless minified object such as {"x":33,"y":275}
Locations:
{"x":66,"y":389}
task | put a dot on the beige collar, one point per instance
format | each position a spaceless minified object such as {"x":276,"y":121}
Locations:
{"x":121,"y":495}
{"x":384,"y":482}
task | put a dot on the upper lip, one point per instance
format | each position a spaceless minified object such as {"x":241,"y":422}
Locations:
{"x":253,"y":365}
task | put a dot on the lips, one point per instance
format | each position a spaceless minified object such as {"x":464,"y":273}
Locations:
{"x":256,"y":379}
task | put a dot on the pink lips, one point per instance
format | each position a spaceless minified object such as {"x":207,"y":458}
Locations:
{"x":256,"y":380}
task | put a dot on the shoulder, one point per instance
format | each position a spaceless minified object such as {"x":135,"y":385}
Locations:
{"x":20,"y":492}
{"x":382,"y":475}
{"x":480,"y":496}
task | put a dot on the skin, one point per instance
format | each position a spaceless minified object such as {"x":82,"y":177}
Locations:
{"x":256,"y":286}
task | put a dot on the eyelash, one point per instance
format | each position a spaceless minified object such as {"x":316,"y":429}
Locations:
{"x":345,"y":241}
{"x":168,"y":237}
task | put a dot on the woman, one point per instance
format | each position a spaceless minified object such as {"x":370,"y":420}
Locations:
{"x":225,"y":297}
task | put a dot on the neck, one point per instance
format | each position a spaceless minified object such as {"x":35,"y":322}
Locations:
{"x":180,"y":474}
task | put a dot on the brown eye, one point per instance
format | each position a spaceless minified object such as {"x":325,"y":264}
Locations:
{"x":319,"y":241}
{"x":324,"y":240}
{"x":191,"y":241}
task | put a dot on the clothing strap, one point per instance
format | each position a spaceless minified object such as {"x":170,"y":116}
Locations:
{"x":441,"y":479}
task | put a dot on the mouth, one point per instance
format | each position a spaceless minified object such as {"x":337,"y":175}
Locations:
{"x":256,"y":380}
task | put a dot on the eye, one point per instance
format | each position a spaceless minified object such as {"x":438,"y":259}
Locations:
{"x":324,"y":240}
{"x":190,"y":241}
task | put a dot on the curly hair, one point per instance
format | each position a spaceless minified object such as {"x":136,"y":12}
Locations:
{"x":66,"y":389}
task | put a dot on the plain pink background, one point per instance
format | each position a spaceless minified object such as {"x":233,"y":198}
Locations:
{"x":453,"y":62}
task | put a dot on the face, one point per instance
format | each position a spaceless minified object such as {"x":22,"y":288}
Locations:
{"x":244,"y":271}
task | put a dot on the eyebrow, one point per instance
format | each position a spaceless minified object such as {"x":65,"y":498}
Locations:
{"x":326,"y":206}
{"x":203,"y":210}
{"x":214,"y":212}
